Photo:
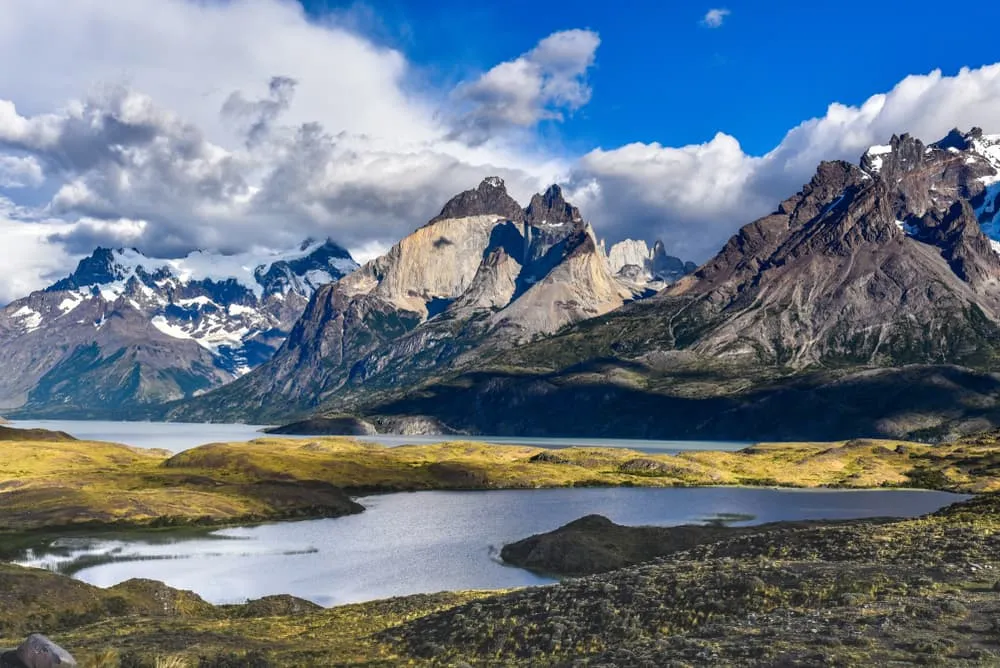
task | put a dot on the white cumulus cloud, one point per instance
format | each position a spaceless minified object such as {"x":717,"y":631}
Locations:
{"x":714,"y":18}
{"x":542,"y":84}
{"x":695,"y":197}
{"x":172,"y":125}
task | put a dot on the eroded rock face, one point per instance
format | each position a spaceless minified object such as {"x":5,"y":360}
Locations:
{"x":881,"y":264}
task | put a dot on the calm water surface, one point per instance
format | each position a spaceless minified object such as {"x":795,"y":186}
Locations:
{"x":179,"y":436}
{"x":422,"y":542}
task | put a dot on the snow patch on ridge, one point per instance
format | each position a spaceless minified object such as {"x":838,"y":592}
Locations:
{"x":875,"y":154}
{"x":174,"y":331}
{"x":988,"y":146}
{"x":71,"y":303}
{"x":202,"y":266}
{"x":29,"y":317}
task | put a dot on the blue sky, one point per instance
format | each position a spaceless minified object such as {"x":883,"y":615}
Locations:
{"x":663,"y":76}
{"x":237,"y":125}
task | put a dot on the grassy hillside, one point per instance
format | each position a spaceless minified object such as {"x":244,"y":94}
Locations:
{"x":66,"y":483}
{"x":59,"y":484}
{"x":139,"y":622}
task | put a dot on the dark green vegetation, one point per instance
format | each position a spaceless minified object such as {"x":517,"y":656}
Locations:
{"x":594,"y":544}
{"x":320,"y":426}
{"x":680,"y":396}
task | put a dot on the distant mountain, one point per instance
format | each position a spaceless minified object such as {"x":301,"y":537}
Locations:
{"x":635,"y":261}
{"x":866,"y":304}
{"x":126,"y":331}
{"x":483,"y":276}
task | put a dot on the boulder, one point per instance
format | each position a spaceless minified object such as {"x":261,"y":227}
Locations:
{"x":37,"y":652}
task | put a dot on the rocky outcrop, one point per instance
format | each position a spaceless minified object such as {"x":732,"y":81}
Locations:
{"x":37,"y":652}
{"x":637,"y":262}
{"x":578,"y":287}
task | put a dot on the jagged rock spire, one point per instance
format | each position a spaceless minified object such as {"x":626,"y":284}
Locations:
{"x":552,"y":208}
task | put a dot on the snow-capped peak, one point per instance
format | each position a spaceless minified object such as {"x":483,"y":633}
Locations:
{"x":238,"y":307}
{"x":987,"y":147}
{"x":303,"y":270}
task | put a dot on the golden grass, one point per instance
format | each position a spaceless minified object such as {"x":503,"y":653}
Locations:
{"x":57,"y":484}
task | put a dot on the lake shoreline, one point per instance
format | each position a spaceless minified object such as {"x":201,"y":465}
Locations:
{"x":220,"y":482}
{"x":825,"y":574}
{"x":227,"y":484}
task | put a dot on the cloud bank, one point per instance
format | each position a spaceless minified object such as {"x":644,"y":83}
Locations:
{"x":257,"y":134}
{"x":695,"y":197}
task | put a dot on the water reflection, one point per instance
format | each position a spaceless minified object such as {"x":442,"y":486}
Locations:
{"x":432,"y":541}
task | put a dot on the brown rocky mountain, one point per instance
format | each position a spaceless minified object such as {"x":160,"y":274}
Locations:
{"x":866,"y":304}
{"x":483,"y":276}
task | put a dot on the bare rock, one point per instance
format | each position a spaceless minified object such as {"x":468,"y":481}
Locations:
{"x":38,"y":652}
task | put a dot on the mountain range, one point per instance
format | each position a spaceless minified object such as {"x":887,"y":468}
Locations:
{"x":483,"y":276}
{"x":125,"y":331}
{"x":868,"y":303}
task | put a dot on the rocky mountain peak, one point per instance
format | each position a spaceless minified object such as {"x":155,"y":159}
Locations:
{"x":492,"y":182}
{"x":551,"y":208}
{"x":97,"y":268}
{"x":318,"y":264}
{"x":958,"y":140}
{"x":863,"y":263}
{"x":489,"y":198}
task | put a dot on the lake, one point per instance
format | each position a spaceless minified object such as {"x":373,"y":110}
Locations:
{"x":422,"y":542}
{"x":180,"y":436}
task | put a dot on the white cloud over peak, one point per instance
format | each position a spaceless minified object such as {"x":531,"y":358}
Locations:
{"x":695,"y":197}
{"x":178,"y":125}
{"x":714,"y":18}
{"x":172,"y":125}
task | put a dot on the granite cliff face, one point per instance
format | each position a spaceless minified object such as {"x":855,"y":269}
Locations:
{"x":126,"y":331}
{"x":635,"y":261}
{"x":483,"y":276}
